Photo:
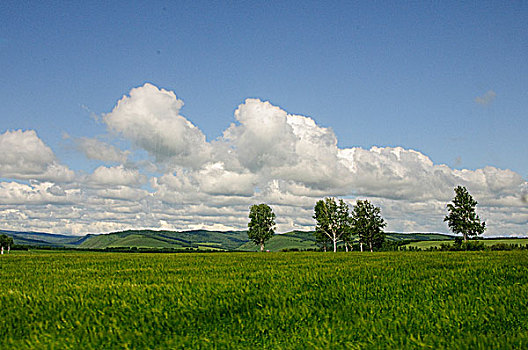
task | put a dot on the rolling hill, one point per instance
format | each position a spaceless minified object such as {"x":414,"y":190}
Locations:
{"x":195,"y":239}
{"x":301,"y":240}
{"x":419,"y":236}
{"x":44,"y":239}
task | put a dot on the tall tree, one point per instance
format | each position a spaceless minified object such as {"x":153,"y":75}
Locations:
{"x":462,"y":217}
{"x":261,"y":224}
{"x":332,"y":220}
{"x":368,"y":224}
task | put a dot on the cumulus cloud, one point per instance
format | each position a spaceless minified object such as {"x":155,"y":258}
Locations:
{"x":99,"y":150}
{"x":486,"y":99}
{"x":123,"y":193}
{"x":116,"y":176}
{"x":150,"y":118}
{"x":276,"y":145}
{"x":264,"y":138}
{"x":182,"y":181}
{"x":25,"y":156}
{"x":214,"y":179}
{"x":396,"y":173}
{"x":36,"y":193}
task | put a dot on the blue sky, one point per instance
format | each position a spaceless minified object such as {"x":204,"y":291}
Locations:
{"x":446,"y":79}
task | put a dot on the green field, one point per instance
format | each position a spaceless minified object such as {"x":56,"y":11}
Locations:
{"x":264,"y":300}
{"x":487,"y":242}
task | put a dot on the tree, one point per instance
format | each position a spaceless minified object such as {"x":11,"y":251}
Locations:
{"x":261,"y":224}
{"x":368,"y":224}
{"x":332,"y":220}
{"x":6,"y":242}
{"x":462,"y":217}
{"x":322,"y":240}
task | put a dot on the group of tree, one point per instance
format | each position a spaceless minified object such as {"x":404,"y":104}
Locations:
{"x":335,"y":222}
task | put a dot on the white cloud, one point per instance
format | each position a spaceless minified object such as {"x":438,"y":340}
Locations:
{"x":36,"y":193}
{"x":150,"y":118}
{"x":116,"y":176}
{"x":264,"y":138}
{"x":270,"y":142}
{"x":123,"y":193}
{"x":99,"y":150}
{"x":267,"y":155}
{"x":396,"y":173}
{"x":24,"y":156}
{"x":177,"y":187}
{"x":214,"y":179}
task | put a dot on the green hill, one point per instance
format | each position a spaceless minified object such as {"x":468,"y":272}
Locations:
{"x":301,"y":240}
{"x":195,"y":239}
{"x":43,"y":239}
{"x":418,"y":236}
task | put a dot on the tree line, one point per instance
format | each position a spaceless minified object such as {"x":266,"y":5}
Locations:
{"x":335,"y":223}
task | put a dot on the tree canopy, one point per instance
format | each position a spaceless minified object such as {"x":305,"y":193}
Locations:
{"x":332,"y":220}
{"x":261,"y":224}
{"x":368,"y":224}
{"x":6,"y":241}
{"x":462,"y":217}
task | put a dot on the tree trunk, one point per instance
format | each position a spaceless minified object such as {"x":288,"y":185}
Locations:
{"x":346,"y":247}
{"x":465,"y":237}
{"x":261,"y":247}
{"x":370,"y":243}
{"x":335,"y":245}
{"x":361,"y":247}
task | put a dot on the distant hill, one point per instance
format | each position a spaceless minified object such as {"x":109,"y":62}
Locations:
{"x":419,"y":236}
{"x":43,"y":239}
{"x":195,"y":239}
{"x":291,"y":240}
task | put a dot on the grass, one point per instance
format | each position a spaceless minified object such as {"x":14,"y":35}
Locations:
{"x":259,"y":300}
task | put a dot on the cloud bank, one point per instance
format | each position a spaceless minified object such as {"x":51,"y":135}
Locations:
{"x":24,"y":156}
{"x":180,"y":180}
